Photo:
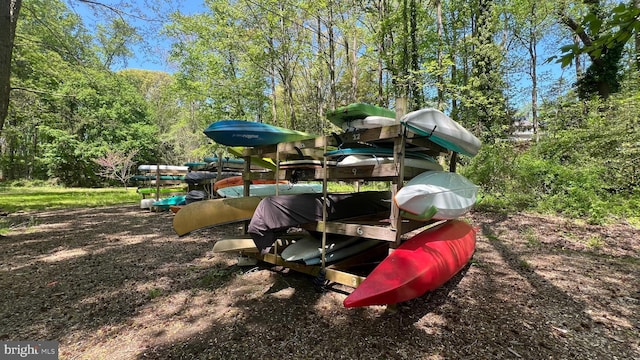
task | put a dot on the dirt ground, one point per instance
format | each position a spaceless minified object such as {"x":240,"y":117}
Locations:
{"x":117,"y":283}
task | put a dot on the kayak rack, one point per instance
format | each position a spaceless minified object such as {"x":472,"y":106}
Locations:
{"x":388,"y":227}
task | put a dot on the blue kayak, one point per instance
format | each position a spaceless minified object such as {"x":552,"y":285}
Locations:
{"x":250,"y":133}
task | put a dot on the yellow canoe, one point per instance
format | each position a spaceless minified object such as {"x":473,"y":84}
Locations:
{"x":207,"y":213}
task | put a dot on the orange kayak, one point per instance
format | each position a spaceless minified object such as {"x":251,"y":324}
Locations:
{"x":237,"y":181}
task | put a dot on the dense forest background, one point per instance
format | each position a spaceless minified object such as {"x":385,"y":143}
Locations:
{"x":564,"y":73}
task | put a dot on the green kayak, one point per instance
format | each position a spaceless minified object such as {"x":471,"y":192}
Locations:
{"x":357,"y":111}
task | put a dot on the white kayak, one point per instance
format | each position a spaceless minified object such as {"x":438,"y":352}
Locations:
{"x":437,"y":195}
{"x":442,"y":130}
{"x":369,"y":122}
{"x":163,"y":167}
{"x":367,"y":160}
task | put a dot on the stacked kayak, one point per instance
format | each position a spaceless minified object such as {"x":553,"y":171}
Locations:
{"x":423,"y":263}
{"x":366,"y":156}
{"x":269,"y":190}
{"x":250,"y":133}
{"x":161,"y":168}
{"x":164,"y":204}
{"x":354,"y":115}
{"x":309,"y":249}
{"x":238,"y":181}
{"x":368,"y":122}
{"x":442,"y":130}
{"x":437,"y":195}
{"x":208,"y":213}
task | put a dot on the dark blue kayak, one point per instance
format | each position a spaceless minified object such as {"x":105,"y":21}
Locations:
{"x":250,"y":133}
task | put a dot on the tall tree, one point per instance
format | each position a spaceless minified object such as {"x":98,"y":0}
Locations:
{"x":9,"y":11}
{"x":531,"y":21}
{"x":487,"y":103}
{"x":637,"y":38}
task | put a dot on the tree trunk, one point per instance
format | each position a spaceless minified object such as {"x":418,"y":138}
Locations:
{"x":274,"y":109}
{"x":354,"y":70}
{"x":381,"y":49}
{"x":534,"y":85}
{"x":440,"y":78}
{"x":416,"y":84}
{"x":402,"y":72}
{"x":576,"y":41}
{"x":533,"y":53}
{"x":319,"y":84}
{"x":9,"y":11}
{"x":637,"y":39}
{"x":332,"y":59}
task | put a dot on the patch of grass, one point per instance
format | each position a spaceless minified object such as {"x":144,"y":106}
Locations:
{"x":531,"y":237}
{"x":572,"y":237}
{"x":634,"y":221}
{"x":154,"y":293}
{"x":14,"y":199}
{"x":492,"y":238}
{"x":4,"y":227}
{"x":212,"y":276}
{"x":478,"y":263}
{"x":595,"y":242}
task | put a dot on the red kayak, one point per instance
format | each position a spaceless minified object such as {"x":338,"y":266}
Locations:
{"x":423,"y":263}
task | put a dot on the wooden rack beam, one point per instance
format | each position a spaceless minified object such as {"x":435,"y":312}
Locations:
{"x":382,"y":172}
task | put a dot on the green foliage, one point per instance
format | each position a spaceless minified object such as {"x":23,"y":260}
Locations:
{"x":495,"y":170}
{"x":67,"y":158}
{"x":585,"y":167}
{"x":604,"y":31}
{"x":68,"y":109}
{"x":622,"y":23}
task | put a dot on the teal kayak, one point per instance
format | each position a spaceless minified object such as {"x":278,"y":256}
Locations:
{"x":249,"y":133}
{"x":172,"y":201}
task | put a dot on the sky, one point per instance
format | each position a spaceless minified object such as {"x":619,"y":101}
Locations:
{"x":149,"y":56}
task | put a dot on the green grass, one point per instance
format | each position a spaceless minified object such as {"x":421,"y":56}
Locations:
{"x":154,"y":293}
{"x":14,"y":199}
{"x":531,"y":237}
{"x":595,"y":242}
{"x":30,"y":198}
{"x":338,"y":187}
